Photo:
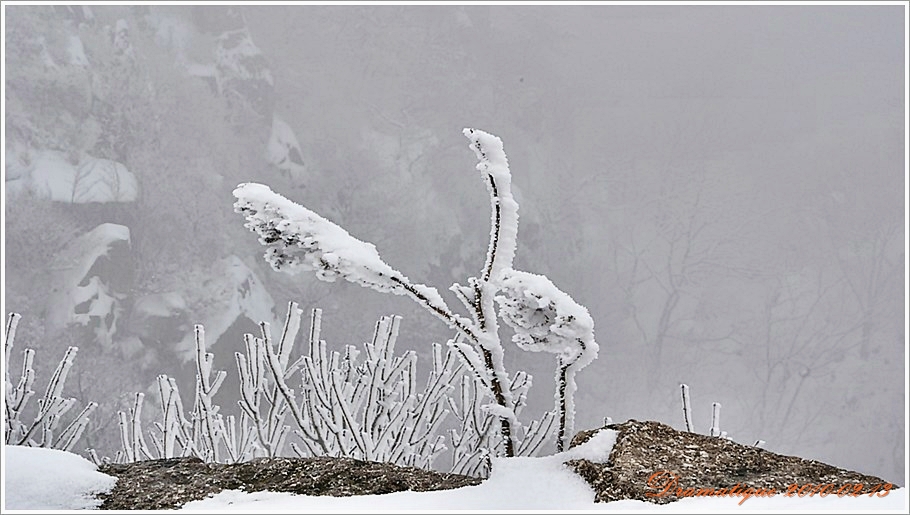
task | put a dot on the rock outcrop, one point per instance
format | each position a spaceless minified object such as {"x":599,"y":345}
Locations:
{"x":646,"y":459}
{"x":171,"y":483}
{"x":654,"y":462}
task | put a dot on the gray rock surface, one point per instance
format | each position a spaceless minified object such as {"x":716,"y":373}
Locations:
{"x":170,"y":483}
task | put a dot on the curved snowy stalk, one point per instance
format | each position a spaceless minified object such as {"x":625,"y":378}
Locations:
{"x":494,"y":166}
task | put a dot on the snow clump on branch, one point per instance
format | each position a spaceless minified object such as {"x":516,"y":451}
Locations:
{"x":545,"y":318}
{"x":298,"y":239}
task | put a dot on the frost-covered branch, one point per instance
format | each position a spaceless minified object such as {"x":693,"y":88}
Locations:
{"x":371,"y":409}
{"x":715,"y":419}
{"x":205,"y":427}
{"x":256,"y":385}
{"x":300,"y":240}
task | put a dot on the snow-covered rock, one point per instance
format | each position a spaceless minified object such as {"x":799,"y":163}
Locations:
{"x":229,"y":291}
{"x":89,"y":281}
{"x":243,"y":71}
{"x":653,"y":462}
{"x":52,"y":175}
{"x":283,"y":151}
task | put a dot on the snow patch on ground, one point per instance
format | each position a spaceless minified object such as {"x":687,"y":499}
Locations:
{"x":47,"y":479}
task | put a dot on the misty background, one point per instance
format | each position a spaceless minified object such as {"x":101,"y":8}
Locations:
{"x":721,"y":186}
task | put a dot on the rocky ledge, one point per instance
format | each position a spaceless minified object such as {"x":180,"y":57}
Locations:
{"x":170,"y":483}
{"x":653,"y":462}
{"x":650,"y":461}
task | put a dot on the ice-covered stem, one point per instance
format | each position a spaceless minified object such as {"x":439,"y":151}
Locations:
{"x":12,"y":321}
{"x":715,"y":419}
{"x":686,"y":406}
{"x":275,"y":430}
{"x":131,"y":438}
{"x":16,"y":397}
{"x":204,"y":410}
{"x":494,"y":166}
{"x":170,"y":426}
{"x":53,"y":406}
{"x":73,"y":432}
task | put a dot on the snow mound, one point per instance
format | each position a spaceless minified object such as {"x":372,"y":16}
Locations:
{"x":36,"y":478}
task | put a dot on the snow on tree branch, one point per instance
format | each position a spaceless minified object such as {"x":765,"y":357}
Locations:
{"x":300,"y":240}
{"x":545,"y":318}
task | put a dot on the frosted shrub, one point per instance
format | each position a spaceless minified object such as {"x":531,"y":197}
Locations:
{"x":52,"y":408}
{"x":543,"y":317}
{"x":360,"y":403}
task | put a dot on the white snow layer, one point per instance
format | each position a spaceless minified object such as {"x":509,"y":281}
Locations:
{"x":49,"y":174}
{"x":46,"y":479}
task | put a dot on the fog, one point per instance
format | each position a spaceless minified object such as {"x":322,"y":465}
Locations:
{"x":723,"y":187}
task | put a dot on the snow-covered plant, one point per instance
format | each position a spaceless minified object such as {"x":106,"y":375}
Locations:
{"x":368,"y":409}
{"x":258,"y":391}
{"x":206,"y":434}
{"x":545,"y":319}
{"x":51,"y":408}
{"x":715,"y":420}
{"x":298,"y":239}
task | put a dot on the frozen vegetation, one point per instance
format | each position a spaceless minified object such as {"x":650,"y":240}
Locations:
{"x":542,"y":316}
{"x":724,"y":231}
